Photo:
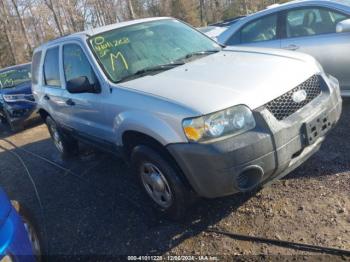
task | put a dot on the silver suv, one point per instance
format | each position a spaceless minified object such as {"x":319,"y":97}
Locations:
{"x":189,"y":115}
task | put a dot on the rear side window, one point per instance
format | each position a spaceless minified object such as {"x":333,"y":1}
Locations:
{"x":35,"y":67}
{"x":51,"y":68}
{"x":264,"y":29}
{"x":312,"y":21}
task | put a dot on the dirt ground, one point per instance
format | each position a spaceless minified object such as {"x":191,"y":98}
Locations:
{"x":91,"y":205}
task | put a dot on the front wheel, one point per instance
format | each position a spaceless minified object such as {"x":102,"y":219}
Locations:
{"x":14,"y":127}
{"x":66,"y":145}
{"x":3,"y":120}
{"x":161,"y":181}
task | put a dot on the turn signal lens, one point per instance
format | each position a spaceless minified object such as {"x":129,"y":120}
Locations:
{"x":194,"y":128}
{"x":192,"y":133}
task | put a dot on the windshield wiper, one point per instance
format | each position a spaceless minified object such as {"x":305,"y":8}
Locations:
{"x":149,"y":70}
{"x":199,"y":53}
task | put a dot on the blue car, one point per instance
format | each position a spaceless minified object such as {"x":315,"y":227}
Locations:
{"x":17,"y":103}
{"x":19,"y":240}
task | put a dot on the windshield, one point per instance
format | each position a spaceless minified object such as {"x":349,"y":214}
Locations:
{"x":15,"y":76}
{"x":125,"y":51}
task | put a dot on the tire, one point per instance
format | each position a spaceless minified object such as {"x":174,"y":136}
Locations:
{"x":3,"y":120}
{"x":66,"y":145}
{"x":14,"y":128}
{"x":161,"y":182}
{"x":30,"y":225}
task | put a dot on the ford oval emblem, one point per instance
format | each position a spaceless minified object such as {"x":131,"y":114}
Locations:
{"x":299,"y":96}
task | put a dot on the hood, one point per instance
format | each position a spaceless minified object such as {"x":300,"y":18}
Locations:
{"x":23,"y":88}
{"x":249,"y":76}
{"x":5,"y":207}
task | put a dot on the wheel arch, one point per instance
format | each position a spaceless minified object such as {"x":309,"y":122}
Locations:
{"x":131,"y":139}
{"x":43,"y":114}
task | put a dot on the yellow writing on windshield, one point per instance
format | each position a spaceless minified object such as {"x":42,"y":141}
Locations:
{"x":122,"y":41}
{"x":99,"y":40}
{"x":120,"y":56}
{"x":102,"y":46}
{"x":6,"y":82}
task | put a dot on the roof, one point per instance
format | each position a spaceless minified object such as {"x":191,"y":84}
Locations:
{"x":274,"y":7}
{"x":300,"y":2}
{"x":98,"y":30}
{"x":13,"y":67}
{"x":343,"y":5}
{"x":102,"y":29}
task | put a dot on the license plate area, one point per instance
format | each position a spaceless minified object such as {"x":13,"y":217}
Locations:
{"x":317,"y":128}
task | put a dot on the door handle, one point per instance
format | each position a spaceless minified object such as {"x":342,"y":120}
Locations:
{"x":70,"y":102}
{"x":292,"y":47}
{"x":46,"y":97}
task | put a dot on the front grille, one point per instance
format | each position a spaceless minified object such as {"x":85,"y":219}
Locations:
{"x":284,"y":106}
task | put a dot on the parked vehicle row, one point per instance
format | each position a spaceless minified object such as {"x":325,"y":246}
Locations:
{"x":318,"y":28}
{"x":192,"y":117}
{"x":17,"y":103}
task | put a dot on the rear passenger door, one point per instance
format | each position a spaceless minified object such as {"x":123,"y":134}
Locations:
{"x":261,"y":32}
{"x":83,"y":112}
{"x":312,"y":30}
{"x":52,"y":84}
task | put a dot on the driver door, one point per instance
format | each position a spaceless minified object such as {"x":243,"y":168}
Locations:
{"x":84,"y":112}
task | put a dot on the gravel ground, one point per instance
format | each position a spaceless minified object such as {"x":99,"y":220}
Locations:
{"x":94,"y":207}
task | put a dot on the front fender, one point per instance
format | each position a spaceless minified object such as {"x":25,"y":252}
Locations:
{"x":164,"y":128}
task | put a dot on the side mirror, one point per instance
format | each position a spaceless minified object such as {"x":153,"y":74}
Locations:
{"x":343,"y":26}
{"x":82,"y":85}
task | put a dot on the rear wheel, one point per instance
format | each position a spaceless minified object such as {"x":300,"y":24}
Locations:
{"x":161,"y":182}
{"x":65,"y":144}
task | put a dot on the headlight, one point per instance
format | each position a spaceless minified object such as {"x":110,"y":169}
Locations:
{"x":231,"y":121}
{"x":19,"y":97}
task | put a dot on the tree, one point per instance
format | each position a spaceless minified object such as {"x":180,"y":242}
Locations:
{"x":49,"y":4}
{"x":131,"y":10}
{"x":22,"y":27}
{"x":4,"y":18}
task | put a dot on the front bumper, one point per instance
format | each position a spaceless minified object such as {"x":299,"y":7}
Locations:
{"x":274,"y":148}
{"x":17,"y":113}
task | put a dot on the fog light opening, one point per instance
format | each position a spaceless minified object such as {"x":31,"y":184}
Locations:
{"x":249,"y":178}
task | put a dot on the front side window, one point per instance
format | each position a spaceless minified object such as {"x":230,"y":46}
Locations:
{"x":51,"y":68}
{"x":312,"y":21}
{"x":264,"y":29}
{"x":15,"y":76}
{"x":126,"y":51}
{"x":76,"y":64}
